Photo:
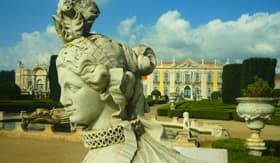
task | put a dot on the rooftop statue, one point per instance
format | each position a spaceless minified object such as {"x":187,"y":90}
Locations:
{"x":101,"y":88}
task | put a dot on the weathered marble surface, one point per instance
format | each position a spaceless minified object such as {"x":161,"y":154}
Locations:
{"x":101,"y":88}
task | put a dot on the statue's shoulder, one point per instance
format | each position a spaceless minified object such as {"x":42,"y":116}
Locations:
{"x":104,"y":41}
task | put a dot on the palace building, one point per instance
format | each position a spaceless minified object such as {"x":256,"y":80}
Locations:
{"x":33,"y":81}
{"x":188,"y":79}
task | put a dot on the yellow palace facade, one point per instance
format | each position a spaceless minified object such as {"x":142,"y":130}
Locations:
{"x":188,"y":79}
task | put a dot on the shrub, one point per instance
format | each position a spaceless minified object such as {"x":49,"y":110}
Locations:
{"x":7,"y":76}
{"x":208,"y":114}
{"x":276,"y":93}
{"x":232,"y":144}
{"x":163,"y":111}
{"x":156,"y":93}
{"x":175,"y":113}
{"x":216,"y":95}
{"x":9,"y":90}
{"x":261,"y":67}
{"x":231,"y":83}
{"x":259,"y":88}
{"x":55,"y":89}
{"x":237,"y":152}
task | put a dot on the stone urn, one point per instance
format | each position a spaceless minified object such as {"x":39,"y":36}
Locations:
{"x":255,"y":111}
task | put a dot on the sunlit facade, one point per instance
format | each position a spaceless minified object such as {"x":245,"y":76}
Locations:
{"x":188,"y":79}
{"x":32,"y":81}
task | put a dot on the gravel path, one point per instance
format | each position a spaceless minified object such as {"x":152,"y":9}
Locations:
{"x":15,"y":150}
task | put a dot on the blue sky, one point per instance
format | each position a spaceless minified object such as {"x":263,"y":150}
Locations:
{"x":179,"y":29}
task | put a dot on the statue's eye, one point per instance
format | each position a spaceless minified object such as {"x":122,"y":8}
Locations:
{"x":73,"y":88}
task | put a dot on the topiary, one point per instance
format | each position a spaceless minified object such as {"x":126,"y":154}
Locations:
{"x":156,"y":93}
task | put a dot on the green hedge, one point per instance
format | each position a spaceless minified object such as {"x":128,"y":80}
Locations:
{"x":261,"y":67}
{"x":55,"y":89}
{"x":231,"y":83}
{"x":28,"y":105}
{"x":237,"y":152}
{"x":275,"y":120}
{"x":233,"y":144}
{"x":220,"y":115}
{"x":203,"y":114}
{"x":152,"y":102}
{"x":209,"y":110}
{"x":163,"y":111}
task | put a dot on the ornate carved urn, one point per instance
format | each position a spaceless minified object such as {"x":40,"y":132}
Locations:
{"x":255,"y":111}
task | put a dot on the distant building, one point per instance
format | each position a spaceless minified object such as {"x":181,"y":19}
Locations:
{"x":33,"y":81}
{"x":188,"y":79}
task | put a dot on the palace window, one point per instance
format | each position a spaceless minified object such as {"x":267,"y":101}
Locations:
{"x":209,"y":91}
{"x":187,"y":92}
{"x":197,"y":77}
{"x":166,"y":91}
{"x":39,"y":84}
{"x":209,"y":77}
{"x":29,"y":84}
{"x":177,"y":91}
{"x":187,"y":77}
{"x":166,"y":77}
{"x":156,"y":77}
{"x":220,"y":77}
{"x":178,"y":77}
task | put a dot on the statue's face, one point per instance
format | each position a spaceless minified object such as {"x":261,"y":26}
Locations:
{"x":81,"y":102}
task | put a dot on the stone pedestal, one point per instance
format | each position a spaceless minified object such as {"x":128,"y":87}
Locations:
{"x":255,"y":110}
{"x":255,"y":143}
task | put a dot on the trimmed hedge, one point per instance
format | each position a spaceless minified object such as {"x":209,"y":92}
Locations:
{"x":261,"y":67}
{"x":237,"y":152}
{"x":233,"y":144}
{"x":231,"y":83}
{"x":13,"y":106}
{"x":221,"y":115}
{"x":209,"y":110}
{"x":216,"y":95}
{"x":55,"y":89}
{"x":9,"y":90}
{"x":163,"y":111}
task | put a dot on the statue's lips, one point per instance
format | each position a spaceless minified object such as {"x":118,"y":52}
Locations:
{"x":70,"y":111}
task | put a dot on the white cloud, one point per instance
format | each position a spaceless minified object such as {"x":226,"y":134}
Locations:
{"x":124,"y":28}
{"x":35,"y":47}
{"x":255,"y":35}
{"x":128,"y":32}
{"x":171,"y":36}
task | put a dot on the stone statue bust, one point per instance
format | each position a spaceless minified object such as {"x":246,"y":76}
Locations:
{"x":101,"y":88}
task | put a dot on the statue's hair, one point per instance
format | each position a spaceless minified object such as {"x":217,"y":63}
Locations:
{"x":74,"y":18}
{"x":113,"y":69}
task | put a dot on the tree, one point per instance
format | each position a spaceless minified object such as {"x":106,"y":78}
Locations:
{"x":216,"y":95}
{"x":9,"y":90}
{"x":231,"y":83}
{"x":264,"y":68}
{"x":156,"y":93}
{"x":7,"y":76}
{"x":53,"y":77}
